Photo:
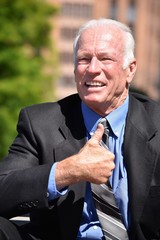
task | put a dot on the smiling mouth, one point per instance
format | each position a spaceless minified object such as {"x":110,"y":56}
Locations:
{"x":94,"y":84}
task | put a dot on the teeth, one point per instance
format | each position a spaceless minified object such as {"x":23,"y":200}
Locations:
{"x":97,"y":84}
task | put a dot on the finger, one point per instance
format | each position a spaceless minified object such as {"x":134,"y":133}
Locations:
{"x":98,"y":133}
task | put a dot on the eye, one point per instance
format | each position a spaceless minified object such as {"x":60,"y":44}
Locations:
{"x":83,"y":60}
{"x":106,"y":59}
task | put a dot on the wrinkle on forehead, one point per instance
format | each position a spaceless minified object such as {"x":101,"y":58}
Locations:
{"x":95,"y":35}
{"x":100,"y":37}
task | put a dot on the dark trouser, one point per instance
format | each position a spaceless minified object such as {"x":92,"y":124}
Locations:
{"x":9,"y":231}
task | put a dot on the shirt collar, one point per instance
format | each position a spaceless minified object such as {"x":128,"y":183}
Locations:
{"x":116,"y":118}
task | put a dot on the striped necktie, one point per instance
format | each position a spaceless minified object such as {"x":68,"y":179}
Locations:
{"x":105,"y":203}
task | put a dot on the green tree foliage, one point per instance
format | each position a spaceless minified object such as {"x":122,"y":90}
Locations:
{"x":26,"y":60}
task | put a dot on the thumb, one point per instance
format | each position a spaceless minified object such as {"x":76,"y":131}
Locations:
{"x":97,"y":136}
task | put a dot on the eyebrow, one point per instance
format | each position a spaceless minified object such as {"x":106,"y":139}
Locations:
{"x":99,"y":53}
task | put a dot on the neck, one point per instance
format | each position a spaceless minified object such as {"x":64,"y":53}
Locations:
{"x":107,"y":107}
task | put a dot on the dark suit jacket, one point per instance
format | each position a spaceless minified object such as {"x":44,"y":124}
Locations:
{"x":50,"y":132}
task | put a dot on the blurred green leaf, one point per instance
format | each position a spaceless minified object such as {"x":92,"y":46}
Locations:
{"x":27,"y":60}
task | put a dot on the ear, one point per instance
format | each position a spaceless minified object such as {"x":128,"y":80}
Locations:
{"x":131,"y":70}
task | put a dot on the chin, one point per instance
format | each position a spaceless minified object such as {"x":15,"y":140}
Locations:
{"x":92,"y":102}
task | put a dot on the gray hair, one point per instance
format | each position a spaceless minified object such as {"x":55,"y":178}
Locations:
{"x":129,"y":40}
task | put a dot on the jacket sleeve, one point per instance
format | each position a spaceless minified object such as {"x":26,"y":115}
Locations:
{"x":23,"y":177}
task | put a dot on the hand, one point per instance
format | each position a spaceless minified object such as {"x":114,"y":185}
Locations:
{"x":93,"y":163}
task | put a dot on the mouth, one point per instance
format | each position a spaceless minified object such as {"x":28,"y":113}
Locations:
{"x":94,"y":84}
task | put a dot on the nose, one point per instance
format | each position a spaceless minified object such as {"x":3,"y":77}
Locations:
{"x":94,"y":66}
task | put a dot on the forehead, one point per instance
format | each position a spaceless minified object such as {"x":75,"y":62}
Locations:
{"x":100,"y":38}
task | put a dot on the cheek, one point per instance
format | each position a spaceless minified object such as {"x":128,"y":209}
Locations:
{"x":120,"y":85}
{"x":116,"y":83}
{"x":79,"y":74}
{"x":110,"y":71}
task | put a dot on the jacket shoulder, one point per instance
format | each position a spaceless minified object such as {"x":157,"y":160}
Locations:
{"x":52,"y":107}
{"x":146,"y":105}
{"x":144,"y":100}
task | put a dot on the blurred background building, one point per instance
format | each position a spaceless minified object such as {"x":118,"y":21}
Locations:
{"x":143,"y":18}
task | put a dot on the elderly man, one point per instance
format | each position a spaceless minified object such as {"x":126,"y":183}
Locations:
{"x":60,"y":170}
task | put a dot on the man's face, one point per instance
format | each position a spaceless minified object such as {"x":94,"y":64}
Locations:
{"x":101,"y":81}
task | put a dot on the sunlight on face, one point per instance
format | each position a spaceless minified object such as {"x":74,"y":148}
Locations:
{"x":101,"y":81}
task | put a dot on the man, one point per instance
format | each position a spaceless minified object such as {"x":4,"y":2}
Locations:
{"x":58,"y":155}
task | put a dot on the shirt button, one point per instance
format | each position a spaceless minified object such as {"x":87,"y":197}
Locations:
{"x":94,"y":227}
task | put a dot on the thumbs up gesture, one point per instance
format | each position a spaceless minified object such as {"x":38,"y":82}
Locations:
{"x":93,"y":163}
{"x":97,"y":160}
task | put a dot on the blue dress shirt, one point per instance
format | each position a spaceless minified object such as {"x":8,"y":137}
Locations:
{"x":90,"y":227}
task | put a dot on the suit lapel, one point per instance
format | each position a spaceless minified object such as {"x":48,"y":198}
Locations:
{"x":72,"y":132}
{"x":72,"y":139}
{"x":139,"y":157}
